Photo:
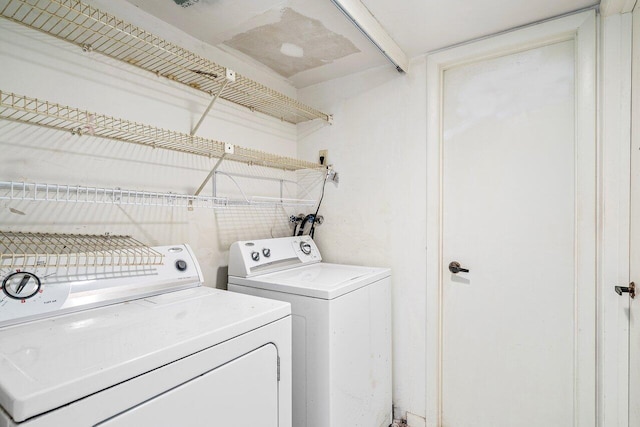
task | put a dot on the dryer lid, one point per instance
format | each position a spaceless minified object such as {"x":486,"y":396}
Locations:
{"x":321,"y":280}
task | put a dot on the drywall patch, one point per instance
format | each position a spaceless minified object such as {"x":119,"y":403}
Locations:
{"x":319,"y":46}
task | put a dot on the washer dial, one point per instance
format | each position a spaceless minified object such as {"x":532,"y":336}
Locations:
{"x":21,"y":285}
{"x":305,"y":247}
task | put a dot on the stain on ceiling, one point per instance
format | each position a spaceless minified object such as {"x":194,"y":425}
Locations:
{"x":304,"y":41}
{"x":310,"y":41}
{"x":294,"y":44}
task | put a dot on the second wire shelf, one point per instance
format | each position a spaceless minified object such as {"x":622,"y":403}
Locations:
{"x":80,"y":122}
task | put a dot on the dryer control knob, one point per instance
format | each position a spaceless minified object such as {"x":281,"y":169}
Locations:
{"x":266,"y":252}
{"x":255,"y":256}
{"x":181,"y":265}
{"x":21,"y":285}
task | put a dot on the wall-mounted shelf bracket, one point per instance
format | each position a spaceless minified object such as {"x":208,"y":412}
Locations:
{"x":230,"y":76}
{"x":213,"y":171}
{"x":228,"y":149}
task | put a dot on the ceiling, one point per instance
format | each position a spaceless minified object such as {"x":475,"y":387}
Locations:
{"x":310,"y":41}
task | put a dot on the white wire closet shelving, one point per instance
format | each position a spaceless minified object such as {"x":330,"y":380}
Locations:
{"x":51,"y":115}
{"x":39,"y":192}
{"x":10,"y":190}
{"x":94,"y":30}
{"x":22,"y":250}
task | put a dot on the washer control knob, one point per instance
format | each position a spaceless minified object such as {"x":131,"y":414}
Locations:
{"x":181,"y":265}
{"x":21,"y":285}
{"x":305,"y":247}
{"x":255,"y":256}
{"x":266,"y":252}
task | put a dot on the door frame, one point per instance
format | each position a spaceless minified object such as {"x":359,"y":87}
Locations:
{"x":632,"y":313}
{"x":616,"y":33}
{"x":582,"y":28}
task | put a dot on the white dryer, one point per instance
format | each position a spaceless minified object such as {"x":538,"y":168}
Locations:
{"x":341,"y":318}
{"x":139,"y":346}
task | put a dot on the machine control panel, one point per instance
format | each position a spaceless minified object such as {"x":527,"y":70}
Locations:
{"x":247,"y":258}
{"x":26,"y":293}
{"x":41,"y":291}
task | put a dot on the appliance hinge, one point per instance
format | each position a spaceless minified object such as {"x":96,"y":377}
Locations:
{"x":278,"y":368}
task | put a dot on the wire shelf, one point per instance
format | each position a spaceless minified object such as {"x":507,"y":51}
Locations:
{"x":22,"y":250}
{"x":94,"y":30}
{"x":10,"y":190}
{"x":79,"y":122}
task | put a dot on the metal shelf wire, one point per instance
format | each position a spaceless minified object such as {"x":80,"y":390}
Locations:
{"x":94,"y":30}
{"x":10,"y":190}
{"x":51,"y":115}
{"x":21,"y":250}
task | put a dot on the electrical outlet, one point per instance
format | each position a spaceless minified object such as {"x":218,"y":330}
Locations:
{"x":323,"y":157}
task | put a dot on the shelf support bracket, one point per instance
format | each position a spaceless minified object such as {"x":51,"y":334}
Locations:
{"x":229,"y":77}
{"x":204,"y":183}
{"x":215,"y":168}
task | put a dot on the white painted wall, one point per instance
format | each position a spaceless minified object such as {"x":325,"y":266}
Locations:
{"x":376,"y":215}
{"x":37,"y":65}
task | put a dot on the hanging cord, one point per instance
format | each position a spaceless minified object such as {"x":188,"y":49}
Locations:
{"x":304,"y":223}
{"x":315,"y":217}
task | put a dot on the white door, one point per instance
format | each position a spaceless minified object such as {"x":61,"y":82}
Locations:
{"x":518,"y":210}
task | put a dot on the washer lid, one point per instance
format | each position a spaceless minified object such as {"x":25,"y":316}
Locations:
{"x":49,"y":363}
{"x":322,"y":280}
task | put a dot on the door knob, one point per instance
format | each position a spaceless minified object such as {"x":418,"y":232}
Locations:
{"x":631,"y":289}
{"x":455,"y":268}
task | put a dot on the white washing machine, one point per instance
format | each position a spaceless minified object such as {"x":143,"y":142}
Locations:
{"x":139,"y":346}
{"x":341,"y":316}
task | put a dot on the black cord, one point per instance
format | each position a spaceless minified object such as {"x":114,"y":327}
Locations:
{"x":304,"y":223}
{"x":315,"y":217}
